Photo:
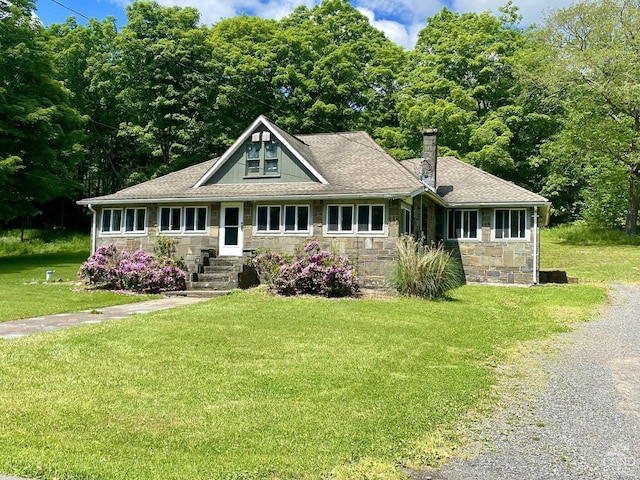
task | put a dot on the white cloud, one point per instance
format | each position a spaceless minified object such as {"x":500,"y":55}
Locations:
{"x":403,"y":35}
{"x":400,"y":20}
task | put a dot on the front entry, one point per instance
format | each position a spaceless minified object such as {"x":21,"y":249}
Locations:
{"x":231,"y":238}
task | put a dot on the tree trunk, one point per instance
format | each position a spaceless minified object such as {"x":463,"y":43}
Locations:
{"x":633,"y":205}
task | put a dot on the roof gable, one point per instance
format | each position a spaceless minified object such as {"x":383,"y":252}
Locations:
{"x":295,"y":147}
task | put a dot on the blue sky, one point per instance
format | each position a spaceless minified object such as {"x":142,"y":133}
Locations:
{"x":401,"y":20}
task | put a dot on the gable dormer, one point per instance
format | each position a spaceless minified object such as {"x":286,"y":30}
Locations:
{"x":264,"y":153}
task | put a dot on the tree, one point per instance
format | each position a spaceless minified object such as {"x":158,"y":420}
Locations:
{"x":334,"y":71}
{"x":39,"y":131}
{"x":593,"y":63}
{"x":461,"y":79}
{"x":162,"y":82}
{"x":84,"y":58}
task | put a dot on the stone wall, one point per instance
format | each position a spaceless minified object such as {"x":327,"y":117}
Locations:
{"x":486,"y":261}
{"x":374,"y":256}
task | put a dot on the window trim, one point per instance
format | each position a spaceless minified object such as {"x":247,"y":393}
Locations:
{"x":510,"y":238}
{"x":183,"y":220}
{"x":340,"y":230}
{"x":369,"y":229}
{"x":296,"y":216}
{"x":122,"y":228}
{"x":478,"y":236}
{"x":282,"y":220}
{"x":263,"y":159}
{"x":268,"y":223}
{"x":354,"y":232}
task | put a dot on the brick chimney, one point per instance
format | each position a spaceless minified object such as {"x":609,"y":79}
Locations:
{"x":430,"y":160}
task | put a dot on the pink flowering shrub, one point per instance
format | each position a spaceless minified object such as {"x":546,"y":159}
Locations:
{"x":312,"y":271}
{"x":136,"y":272}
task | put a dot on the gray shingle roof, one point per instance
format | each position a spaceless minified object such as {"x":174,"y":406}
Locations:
{"x":352,"y":163}
{"x":459,"y":184}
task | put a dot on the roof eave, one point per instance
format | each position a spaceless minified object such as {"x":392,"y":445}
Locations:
{"x":249,"y":198}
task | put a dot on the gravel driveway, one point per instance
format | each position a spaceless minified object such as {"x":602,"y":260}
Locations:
{"x":584,"y":422}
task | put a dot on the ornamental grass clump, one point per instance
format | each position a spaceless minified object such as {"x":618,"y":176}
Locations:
{"x":136,"y":272}
{"x":312,"y":272}
{"x":425,"y":271}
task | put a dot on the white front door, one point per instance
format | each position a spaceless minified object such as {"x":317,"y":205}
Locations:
{"x":231,"y":238}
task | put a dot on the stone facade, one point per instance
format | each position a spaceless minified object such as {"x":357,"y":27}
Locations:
{"x":492,"y":261}
{"x":484,"y":261}
{"x":374,"y":255}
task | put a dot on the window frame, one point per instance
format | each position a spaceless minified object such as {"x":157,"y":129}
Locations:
{"x":258,"y":166}
{"x":355,"y":213}
{"x":282,"y":217}
{"x":295,"y":230}
{"x":340,"y":230}
{"x":463,"y":212}
{"x":269,"y":220}
{"x":122,"y":227}
{"x":182,"y":230}
{"x":369,"y":229}
{"x":523,"y":211}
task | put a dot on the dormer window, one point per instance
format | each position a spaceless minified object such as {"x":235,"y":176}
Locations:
{"x":262,"y":156}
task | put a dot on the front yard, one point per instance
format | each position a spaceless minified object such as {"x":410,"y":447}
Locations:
{"x":251,"y":386}
{"x":26,"y":293}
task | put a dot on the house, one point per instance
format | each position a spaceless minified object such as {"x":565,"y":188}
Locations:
{"x":275,"y":190}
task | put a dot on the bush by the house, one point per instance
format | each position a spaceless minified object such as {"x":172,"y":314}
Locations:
{"x":426,"y":271}
{"x":136,"y":272}
{"x":312,"y":271}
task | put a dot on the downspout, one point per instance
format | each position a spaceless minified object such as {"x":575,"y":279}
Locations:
{"x":93,"y":228}
{"x":535,"y":245}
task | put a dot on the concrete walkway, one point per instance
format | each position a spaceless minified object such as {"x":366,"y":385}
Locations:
{"x":28,"y":326}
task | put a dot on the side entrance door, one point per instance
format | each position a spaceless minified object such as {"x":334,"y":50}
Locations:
{"x":231,"y":238}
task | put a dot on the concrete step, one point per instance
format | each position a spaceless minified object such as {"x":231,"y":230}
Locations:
{"x":198,"y":293}
{"x":218,"y":277}
{"x":214,"y":286}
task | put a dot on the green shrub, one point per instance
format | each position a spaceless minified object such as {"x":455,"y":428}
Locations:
{"x":426,"y":271}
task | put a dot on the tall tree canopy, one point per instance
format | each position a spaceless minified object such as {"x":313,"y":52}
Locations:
{"x":593,"y":63}
{"x":38,"y":128}
{"x":460,"y":79}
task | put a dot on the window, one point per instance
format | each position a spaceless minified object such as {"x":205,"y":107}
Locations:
{"x":195,"y":219}
{"x":370,"y":218}
{"x":405,"y":221}
{"x":135,"y":219}
{"x":340,"y":218}
{"x":262,"y":157}
{"x":268,"y":219}
{"x":296,"y":218}
{"x":183,"y":219}
{"x":463,"y":224}
{"x":111,"y":220}
{"x":510,"y":224}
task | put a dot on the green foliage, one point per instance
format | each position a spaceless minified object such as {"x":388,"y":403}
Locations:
{"x":254,"y":386}
{"x":425,"y":271}
{"x":591,"y":64}
{"x":39,"y":131}
{"x":591,"y":253}
{"x":164,"y":246}
{"x":37,"y":242}
{"x":461,"y":78}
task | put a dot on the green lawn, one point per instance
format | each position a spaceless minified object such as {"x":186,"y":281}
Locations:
{"x":591,"y":254}
{"x":25,"y":293}
{"x":250,"y":386}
